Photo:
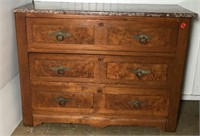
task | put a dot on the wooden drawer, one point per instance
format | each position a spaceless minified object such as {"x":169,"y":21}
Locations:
{"x":60,"y":31}
{"x":139,"y":35}
{"x":137,"y":101}
{"x":100,"y":68}
{"x":138,"y":69}
{"x":58,"y":96}
{"x":58,"y":67}
{"x":133,"y":34}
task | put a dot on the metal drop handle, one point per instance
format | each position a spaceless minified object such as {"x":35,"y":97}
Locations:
{"x":143,"y":39}
{"x":135,"y":103}
{"x":62,"y":100}
{"x":61,"y":35}
{"x":140,"y":72}
{"x":60,"y":70}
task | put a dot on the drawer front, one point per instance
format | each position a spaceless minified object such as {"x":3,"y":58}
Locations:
{"x":143,"y":35}
{"x":60,"y":31}
{"x":69,"y":100}
{"x":56,"y":67}
{"x":61,"y":97}
{"x":137,"y":101}
{"x":133,"y":34}
{"x":140,"y":69}
{"x":137,"y":71}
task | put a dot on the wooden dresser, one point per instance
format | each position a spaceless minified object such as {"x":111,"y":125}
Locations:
{"x":102,"y":64}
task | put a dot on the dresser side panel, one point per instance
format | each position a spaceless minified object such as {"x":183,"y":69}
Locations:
{"x":178,"y":72}
{"x":24,"y":67}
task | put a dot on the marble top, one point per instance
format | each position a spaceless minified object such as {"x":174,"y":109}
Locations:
{"x":106,"y":9}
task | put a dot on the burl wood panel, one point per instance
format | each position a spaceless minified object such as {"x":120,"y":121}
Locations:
{"x":51,"y":99}
{"x":45,"y":31}
{"x":156,"y":72}
{"x":136,"y":102}
{"x":159,"y":34}
{"x":62,"y":66}
{"x":127,"y":36}
{"x":74,"y":34}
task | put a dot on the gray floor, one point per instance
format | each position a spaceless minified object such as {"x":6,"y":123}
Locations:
{"x":188,"y":125}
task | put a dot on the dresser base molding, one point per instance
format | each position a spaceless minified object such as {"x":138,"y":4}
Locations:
{"x":98,"y":121}
{"x":190,"y":97}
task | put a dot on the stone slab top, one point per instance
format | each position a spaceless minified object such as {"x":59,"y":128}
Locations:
{"x":107,"y":9}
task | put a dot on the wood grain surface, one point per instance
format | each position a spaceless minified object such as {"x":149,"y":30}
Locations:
{"x":101,"y":70}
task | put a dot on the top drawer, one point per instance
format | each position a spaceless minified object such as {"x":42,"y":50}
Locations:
{"x":60,"y":31}
{"x":134,"y":34}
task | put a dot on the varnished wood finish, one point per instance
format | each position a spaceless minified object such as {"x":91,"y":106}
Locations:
{"x":179,"y":65}
{"x":99,"y":121}
{"x":161,"y":35}
{"x":126,"y":71}
{"x":41,"y":31}
{"x":72,"y":66}
{"x":90,"y":75}
{"x":24,"y":68}
{"x":92,"y":33}
{"x":129,"y":102}
{"x":48,"y":99}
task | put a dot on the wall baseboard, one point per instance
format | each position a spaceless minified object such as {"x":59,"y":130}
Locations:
{"x":191,"y":97}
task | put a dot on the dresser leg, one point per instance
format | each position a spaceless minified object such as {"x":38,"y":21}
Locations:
{"x":171,"y":127}
{"x":27,"y":121}
{"x":37,"y":123}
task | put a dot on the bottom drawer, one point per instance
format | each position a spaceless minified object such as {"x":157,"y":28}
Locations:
{"x":138,"y":101}
{"x":68,"y":100}
{"x":60,"y":97}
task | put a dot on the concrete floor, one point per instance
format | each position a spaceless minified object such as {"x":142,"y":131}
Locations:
{"x":188,"y":125}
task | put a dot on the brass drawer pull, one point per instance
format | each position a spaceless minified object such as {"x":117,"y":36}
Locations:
{"x":143,"y":39}
{"x":60,"y":70}
{"x":62,"y":100}
{"x":60,"y":36}
{"x":136,"y":103}
{"x":140,"y":72}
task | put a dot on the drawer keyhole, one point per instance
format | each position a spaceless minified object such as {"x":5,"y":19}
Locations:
{"x":100,"y":59}
{"x":99,"y":90}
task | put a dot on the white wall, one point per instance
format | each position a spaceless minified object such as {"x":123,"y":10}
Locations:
{"x":192,"y":79}
{"x":10,"y":102}
{"x":10,"y":107}
{"x":121,"y":1}
{"x":196,"y":86}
